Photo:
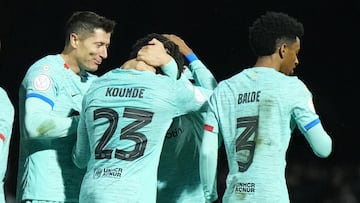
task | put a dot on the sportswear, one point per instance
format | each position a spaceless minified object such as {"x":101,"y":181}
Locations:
{"x":7,"y":113}
{"x":121,"y":131}
{"x":255,"y":112}
{"x":178,"y":173}
{"x":50,"y":98}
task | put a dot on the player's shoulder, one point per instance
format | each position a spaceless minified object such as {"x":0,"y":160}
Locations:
{"x":4,"y":94}
{"x":294,"y":83}
{"x":228,"y":83}
{"x":47,"y":64}
{"x":106,"y":78}
{"x":167,"y":82}
{"x":52,"y":58}
{"x":2,"y":91}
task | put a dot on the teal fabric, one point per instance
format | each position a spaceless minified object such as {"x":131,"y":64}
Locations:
{"x":121,"y":131}
{"x":253,"y":111}
{"x":49,"y":97}
{"x":7,"y":113}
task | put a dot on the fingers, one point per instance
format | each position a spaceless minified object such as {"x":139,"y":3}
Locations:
{"x":170,"y":36}
{"x":173,"y":38}
{"x":154,"y":54}
{"x":183,"y":47}
{"x":154,"y":41}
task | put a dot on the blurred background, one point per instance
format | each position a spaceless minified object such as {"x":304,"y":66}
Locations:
{"x":217,"y":32}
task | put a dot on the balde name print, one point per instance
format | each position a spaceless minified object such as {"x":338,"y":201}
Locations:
{"x":125,"y":92}
{"x":249,"y":97}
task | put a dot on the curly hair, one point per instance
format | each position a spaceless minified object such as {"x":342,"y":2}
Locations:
{"x":271,"y":29}
{"x":171,"y":47}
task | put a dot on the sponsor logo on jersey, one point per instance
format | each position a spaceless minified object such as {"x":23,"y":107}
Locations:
{"x":174,"y":132}
{"x":244,"y":188}
{"x":107,"y":172}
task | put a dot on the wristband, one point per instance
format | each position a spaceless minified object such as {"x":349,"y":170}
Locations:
{"x":191,"y":57}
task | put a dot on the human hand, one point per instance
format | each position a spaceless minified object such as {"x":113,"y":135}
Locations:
{"x":154,"y":54}
{"x":183,"y":47}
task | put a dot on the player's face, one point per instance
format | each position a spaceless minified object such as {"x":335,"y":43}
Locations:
{"x":290,"y":58}
{"x":93,"y":50}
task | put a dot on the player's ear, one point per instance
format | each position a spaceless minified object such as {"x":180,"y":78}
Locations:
{"x":74,"y":40}
{"x":282,"y":50}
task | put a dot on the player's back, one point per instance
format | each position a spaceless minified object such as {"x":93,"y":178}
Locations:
{"x":178,"y":174}
{"x":128,"y":113}
{"x":257,"y":133}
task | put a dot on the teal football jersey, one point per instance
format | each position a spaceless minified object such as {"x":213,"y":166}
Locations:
{"x":50,"y":99}
{"x":253,"y":111}
{"x":7,"y":113}
{"x":121,"y":131}
{"x":178,"y":173}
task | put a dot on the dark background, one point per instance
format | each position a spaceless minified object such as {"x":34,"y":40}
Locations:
{"x":217,"y":33}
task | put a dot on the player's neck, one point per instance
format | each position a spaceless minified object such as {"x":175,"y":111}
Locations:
{"x":268,"y":61}
{"x":70,"y":62}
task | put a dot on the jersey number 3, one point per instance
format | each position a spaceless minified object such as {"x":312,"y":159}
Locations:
{"x":245,"y":143}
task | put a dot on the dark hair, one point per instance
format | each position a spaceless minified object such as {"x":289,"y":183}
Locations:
{"x":171,"y":47}
{"x":271,"y":29}
{"x":85,"y":22}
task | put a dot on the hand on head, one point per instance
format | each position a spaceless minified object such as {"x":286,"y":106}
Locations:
{"x":183,"y":47}
{"x":154,"y":54}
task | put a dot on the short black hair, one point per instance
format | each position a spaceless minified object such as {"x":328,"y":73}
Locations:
{"x":270,"y":29}
{"x":85,"y":22}
{"x":171,"y":47}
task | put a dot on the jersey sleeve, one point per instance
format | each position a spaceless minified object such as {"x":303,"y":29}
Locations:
{"x":81,"y":150}
{"x":171,"y":69}
{"x":319,"y":140}
{"x":202,"y":75}
{"x":209,"y":151}
{"x":7,"y":113}
{"x":189,"y":97}
{"x":42,"y":123}
{"x":40,"y":95}
{"x":310,"y":125}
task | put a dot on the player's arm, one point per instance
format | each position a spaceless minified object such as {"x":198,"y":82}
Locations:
{"x":81,"y":149}
{"x":208,"y":157}
{"x":198,"y":71}
{"x":41,"y":121}
{"x":202,"y":76}
{"x":7,"y":113}
{"x":208,"y":165}
{"x":310,"y":125}
{"x":189,"y":97}
{"x":317,"y":137}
